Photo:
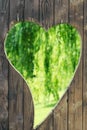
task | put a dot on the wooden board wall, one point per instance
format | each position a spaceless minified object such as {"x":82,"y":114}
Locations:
{"x":16,"y":104}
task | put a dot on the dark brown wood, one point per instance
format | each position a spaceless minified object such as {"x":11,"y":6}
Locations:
{"x":61,"y":11}
{"x":16,"y":104}
{"x":75,"y":91}
{"x":28,"y":109}
{"x":71,"y":106}
{"x":16,"y":11}
{"x":21,"y":108}
{"x":46,"y":13}
{"x":30,"y":10}
{"x":4,"y":14}
{"x":60,"y":114}
{"x":16,"y":87}
{"x":75,"y":103}
{"x":85,"y":68}
{"x":15,"y":100}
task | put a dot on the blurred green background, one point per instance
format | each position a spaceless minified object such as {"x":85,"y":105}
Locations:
{"x":46,"y":59}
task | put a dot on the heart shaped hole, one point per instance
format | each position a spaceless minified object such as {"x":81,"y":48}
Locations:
{"x":46,"y":59}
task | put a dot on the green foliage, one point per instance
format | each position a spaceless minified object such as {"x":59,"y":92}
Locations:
{"x":21,"y":47}
{"x":47,"y":59}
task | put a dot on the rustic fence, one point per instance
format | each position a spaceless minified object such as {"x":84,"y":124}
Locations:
{"x":16,"y":105}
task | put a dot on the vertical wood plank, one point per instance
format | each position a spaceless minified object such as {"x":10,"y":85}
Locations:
{"x":61,"y":11}
{"x":75,"y":103}
{"x":76,"y":15}
{"x":36,"y":10}
{"x":41,"y":11}
{"x":85,"y":69}
{"x":60,"y":114}
{"x":20,"y":100}
{"x":28,"y":109}
{"x":4,"y":15}
{"x":29,"y":9}
{"x":46,"y":13}
{"x":20,"y":112}
{"x":16,"y":90}
{"x":78,"y":98}
{"x":15,"y":100}
{"x":3,"y":90}
{"x":75,"y":91}
{"x":71,"y":105}
{"x":16,"y":10}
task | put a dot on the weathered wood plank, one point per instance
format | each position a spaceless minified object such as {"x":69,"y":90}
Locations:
{"x":76,"y":15}
{"x":85,"y":68}
{"x":15,"y":100}
{"x":29,"y":9}
{"x":28,"y":109}
{"x":75,"y":91}
{"x":36,"y":10}
{"x":61,"y":11}
{"x":78,"y":98}
{"x":71,"y":106}
{"x":39,"y":10}
{"x":75,"y":102}
{"x":46,"y":13}
{"x":20,"y":101}
{"x":3,"y":92}
{"x":4,"y":15}
{"x":16,"y":89}
{"x":60,"y":114}
{"x":16,"y":11}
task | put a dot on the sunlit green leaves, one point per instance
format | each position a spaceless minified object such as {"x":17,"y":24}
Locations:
{"x":47,"y":59}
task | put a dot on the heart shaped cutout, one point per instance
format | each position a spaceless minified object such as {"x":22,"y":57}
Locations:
{"x":46,"y":59}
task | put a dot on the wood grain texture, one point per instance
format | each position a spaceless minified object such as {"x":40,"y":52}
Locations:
{"x":16,"y":11}
{"x":28,"y":109}
{"x":29,"y":9}
{"x":75,"y":91}
{"x":4,"y":18}
{"x":3,"y":92}
{"x":21,"y":108}
{"x":16,"y":88}
{"x":75,"y":103}
{"x":16,"y":104}
{"x":85,"y":69}
{"x":4,"y":14}
{"x":60,"y":114}
{"x":46,"y":13}
{"x":20,"y":103}
{"x":15,"y":100}
{"x":61,"y":11}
